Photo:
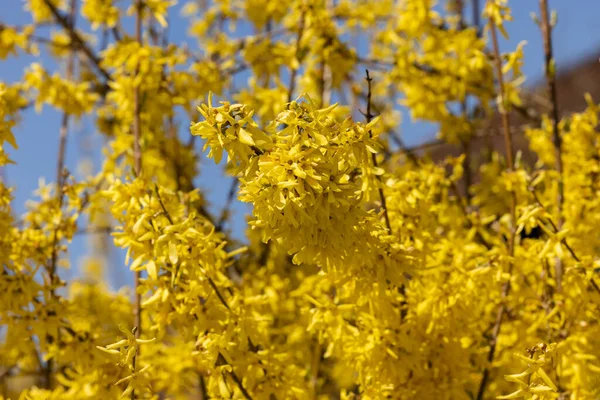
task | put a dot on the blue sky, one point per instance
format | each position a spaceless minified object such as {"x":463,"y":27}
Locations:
{"x":576,"y":36}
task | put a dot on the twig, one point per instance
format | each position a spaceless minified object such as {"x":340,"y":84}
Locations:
{"x":227,"y":207}
{"x":76,"y":38}
{"x":137,"y":155}
{"x":529,"y":114}
{"x":556,"y":139}
{"x":554,"y":227}
{"x":202,"y":384}
{"x":60,"y":182}
{"x":315,"y":367}
{"x":221,"y":299}
{"x":513,"y":206}
{"x":95,"y":230}
{"x":564,"y":240}
{"x":236,"y":378}
{"x":410,"y":151}
{"x":465,"y":142}
{"x":369,"y":117}
{"x":464,"y":208}
{"x":162,"y":205}
{"x":294,"y":72}
{"x":326,"y":77}
{"x":476,"y":16}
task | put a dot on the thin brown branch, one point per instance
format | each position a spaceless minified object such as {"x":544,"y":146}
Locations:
{"x":468,"y":176}
{"x":116,"y":33}
{"x":211,"y":282}
{"x":476,"y":16}
{"x":513,"y":206}
{"x":93,"y":230}
{"x":503,"y":111}
{"x":465,"y":141}
{"x":464,"y":207}
{"x":162,"y":205}
{"x":369,"y":116}
{"x":294,"y":71}
{"x":315,"y":367}
{"x":527,"y":113}
{"x":202,"y":388}
{"x":554,"y":227}
{"x":549,"y":72}
{"x":137,"y":152}
{"x":218,"y":292}
{"x":325,"y":83}
{"x":410,"y":151}
{"x":184,"y":183}
{"x":221,"y":359}
{"x":226,"y":209}
{"x":564,"y":242}
{"x":60,"y":181}
{"x":137,"y":155}
{"x":77,"y":39}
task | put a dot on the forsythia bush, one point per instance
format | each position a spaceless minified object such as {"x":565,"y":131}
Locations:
{"x":368,"y":271}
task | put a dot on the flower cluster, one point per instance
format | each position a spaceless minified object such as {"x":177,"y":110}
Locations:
{"x":368,"y":270}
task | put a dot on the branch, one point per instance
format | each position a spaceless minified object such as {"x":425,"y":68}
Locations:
{"x":77,"y":39}
{"x":464,"y":209}
{"x":137,"y":155}
{"x":564,"y":240}
{"x":294,"y":72}
{"x":369,"y":117}
{"x":557,"y":140}
{"x":236,"y":378}
{"x":529,"y":114}
{"x":513,"y":206}
{"x":476,"y":16}
{"x":230,"y":197}
{"x":221,"y":298}
{"x":61,"y":175}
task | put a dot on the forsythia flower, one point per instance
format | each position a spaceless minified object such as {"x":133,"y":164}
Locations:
{"x":367,"y":270}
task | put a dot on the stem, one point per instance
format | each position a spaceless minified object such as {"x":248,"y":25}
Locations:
{"x":513,"y":206}
{"x":464,"y":208}
{"x":476,"y":14}
{"x":409,"y":152}
{"x":76,"y":38}
{"x":369,"y":117}
{"x":137,"y":155}
{"x":325,"y":83}
{"x":325,"y":79}
{"x":315,"y":366}
{"x":224,"y":302}
{"x":60,"y":182}
{"x":465,"y":141}
{"x":202,"y":388}
{"x":466,"y":145}
{"x":227,"y":207}
{"x":236,"y":378}
{"x":564,"y":240}
{"x":294,"y":72}
{"x":557,"y":141}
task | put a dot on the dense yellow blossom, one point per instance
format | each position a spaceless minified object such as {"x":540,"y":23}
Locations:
{"x":367,"y":271}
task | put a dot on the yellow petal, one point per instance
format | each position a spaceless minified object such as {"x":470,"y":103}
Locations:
{"x":152,"y":270}
{"x":245,"y":137}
